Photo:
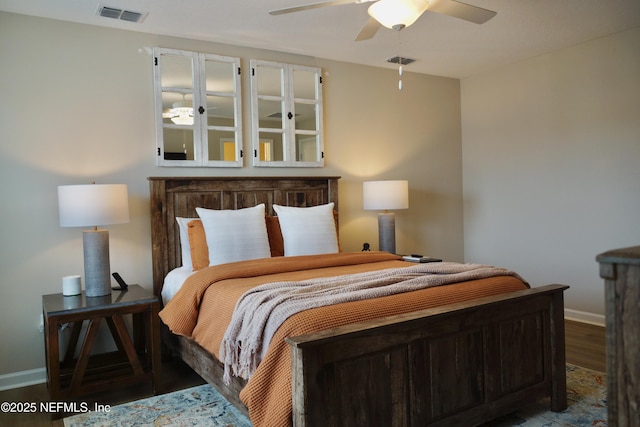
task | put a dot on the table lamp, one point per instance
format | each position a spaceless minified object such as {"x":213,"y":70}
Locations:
{"x":385,"y":196}
{"x":94,"y":205}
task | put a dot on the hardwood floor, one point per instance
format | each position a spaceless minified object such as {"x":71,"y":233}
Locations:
{"x":585,"y":346}
{"x":175,"y":376}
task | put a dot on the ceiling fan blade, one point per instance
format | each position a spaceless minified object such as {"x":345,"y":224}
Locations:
{"x":461,"y":10}
{"x":310,"y":6}
{"x":369,"y":30}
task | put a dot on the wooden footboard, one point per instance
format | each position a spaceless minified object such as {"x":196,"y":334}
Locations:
{"x":460,"y":364}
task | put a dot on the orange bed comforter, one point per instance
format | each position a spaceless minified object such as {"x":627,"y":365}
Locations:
{"x":203,"y":308}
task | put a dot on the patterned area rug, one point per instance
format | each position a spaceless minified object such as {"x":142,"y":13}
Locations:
{"x":587,"y":404}
{"x":202,"y":405}
{"x":196,"y":406}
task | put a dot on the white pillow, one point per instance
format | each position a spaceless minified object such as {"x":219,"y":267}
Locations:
{"x":185,"y":246}
{"x":235,"y":235}
{"x":308,"y":231}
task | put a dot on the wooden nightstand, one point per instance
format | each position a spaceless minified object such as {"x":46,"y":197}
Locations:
{"x":136,"y":360}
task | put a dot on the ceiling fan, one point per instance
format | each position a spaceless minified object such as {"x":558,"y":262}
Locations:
{"x":398,"y":14}
{"x":181,"y":113}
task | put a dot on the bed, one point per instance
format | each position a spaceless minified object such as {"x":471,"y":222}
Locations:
{"x":465,"y":362}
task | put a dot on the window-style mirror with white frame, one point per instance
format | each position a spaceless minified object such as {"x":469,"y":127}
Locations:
{"x":286,"y":113}
{"x":198,"y":109}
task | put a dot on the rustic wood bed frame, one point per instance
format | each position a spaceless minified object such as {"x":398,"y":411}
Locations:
{"x":459,"y":364}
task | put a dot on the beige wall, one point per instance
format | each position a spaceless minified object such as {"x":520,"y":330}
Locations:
{"x":77,"y":106}
{"x":551,"y":164}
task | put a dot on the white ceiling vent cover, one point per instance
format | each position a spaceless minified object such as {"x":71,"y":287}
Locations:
{"x":123,"y":15}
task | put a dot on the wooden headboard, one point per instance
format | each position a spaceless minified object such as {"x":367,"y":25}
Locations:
{"x":173,"y":197}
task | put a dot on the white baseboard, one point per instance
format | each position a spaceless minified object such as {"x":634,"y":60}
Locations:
{"x":582,"y":316}
{"x":23,"y":379}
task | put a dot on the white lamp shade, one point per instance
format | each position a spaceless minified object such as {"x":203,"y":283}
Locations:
{"x":93,"y":205}
{"x":385,"y":195}
{"x":397,"y":12}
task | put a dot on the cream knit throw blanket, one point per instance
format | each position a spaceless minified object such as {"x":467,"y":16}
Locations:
{"x":261,"y":310}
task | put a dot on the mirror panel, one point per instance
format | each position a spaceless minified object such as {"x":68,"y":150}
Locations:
{"x":219,"y":76}
{"x":177,"y":71}
{"x":306,"y":116}
{"x":280,"y":91}
{"x":221,"y":111}
{"x":187,"y":82}
{"x":178,"y":144}
{"x":304,"y":84}
{"x":198,"y":96}
{"x":222,"y":145}
{"x":271,"y":148}
{"x":271,"y":114}
{"x":307,"y":148}
{"x":177,"y":109}
{"x":270,"y":80}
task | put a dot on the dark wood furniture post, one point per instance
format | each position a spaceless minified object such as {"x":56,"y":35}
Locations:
{"x":621,"y":270}
{"x":136,"y":360}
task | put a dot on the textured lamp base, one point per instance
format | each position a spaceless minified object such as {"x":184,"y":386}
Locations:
{"x":387,"y":232}
{"x":97,"y":277}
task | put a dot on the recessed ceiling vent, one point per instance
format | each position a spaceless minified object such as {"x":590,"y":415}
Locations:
{"x":401,"y":60}
{"x":122,"y":15}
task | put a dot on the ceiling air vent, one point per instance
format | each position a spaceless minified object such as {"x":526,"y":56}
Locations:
{"x":123,"y":15}
{"x":127,"y":15}
{"x":400,"y":60}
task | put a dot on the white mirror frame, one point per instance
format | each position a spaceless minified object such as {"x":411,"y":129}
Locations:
{"x":288,"y":129}
{"x":199,"y":94}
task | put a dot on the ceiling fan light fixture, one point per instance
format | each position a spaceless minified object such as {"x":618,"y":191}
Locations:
{"x":397,"y":14}
{"x":183,"y":120}
{"x":181,"y":113}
